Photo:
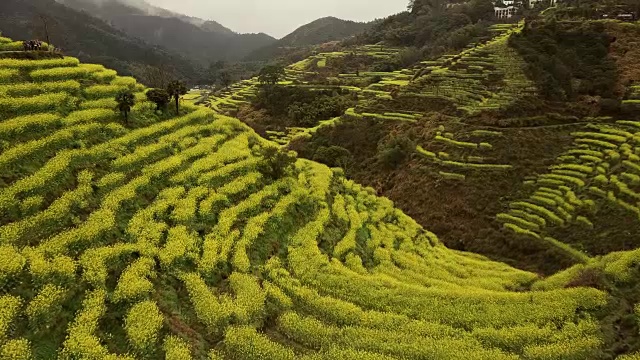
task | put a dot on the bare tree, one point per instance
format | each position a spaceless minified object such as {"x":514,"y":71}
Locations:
{"x":45,"y":27}
{"x":156,"y":76}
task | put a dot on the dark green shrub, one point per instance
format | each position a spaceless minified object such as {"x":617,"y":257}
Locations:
{"x":610,"y":106}
{"x":333,"y":156}
{"x":631,"y":107}
{"x":276,"y":163}
{"x":568,"y":59}
{"x":395,"y":151}
{"x":376,"y":79}
{"x":302,"y":107}
{"x":160,"y":97}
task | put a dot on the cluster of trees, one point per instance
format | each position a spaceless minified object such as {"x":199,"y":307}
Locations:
{"x":298,"y":106}
{"x":271,"y":74}
{"x":404,"y":59}
{"x":434,"y":26}
{"x":394,"y":150}
{"x":225,"y":73}
{"x":595,"y":9}
{"x":295,"y":106}
{"x":161,"y":97}
{"x":568,"y":59}
{"x":276,"y":162}
{"x":219,"y":74}
{"x":82,"y":35}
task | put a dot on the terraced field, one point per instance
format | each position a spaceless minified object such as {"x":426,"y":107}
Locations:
{"x":488,"y":75}
{"x":602,"y":168}
{"x":461,"y":147}
{"x":174,"y":237}
{"x":632,"y":103}
{"x":228,"y":101}
{"x":459,"y":156}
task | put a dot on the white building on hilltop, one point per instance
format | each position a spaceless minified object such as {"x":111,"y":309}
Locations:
{"x":511,"y":7}
{"x":505,"y":12}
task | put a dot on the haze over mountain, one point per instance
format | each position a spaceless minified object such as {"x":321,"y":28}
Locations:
{"x":90,"y":39}
{"x":141,"y":7}
{"x":138,"y":38}
{"x":198,"y":39}
{"x":280,"y":17}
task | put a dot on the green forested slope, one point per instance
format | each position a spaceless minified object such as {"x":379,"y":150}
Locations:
{"x":189,"y":236}
{"x":81,"y":35}
{"x":200,"y":41}
{"x":315,"y":33}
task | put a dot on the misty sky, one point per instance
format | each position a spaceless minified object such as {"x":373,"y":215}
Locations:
{"x":280,"y":17}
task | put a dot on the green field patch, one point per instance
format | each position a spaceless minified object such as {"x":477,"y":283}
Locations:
{"x":387,"y":117}
{"x":396,"y":82}
{"x":452,"y":176}
{"x":461,"y":144}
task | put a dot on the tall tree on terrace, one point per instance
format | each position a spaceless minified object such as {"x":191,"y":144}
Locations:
{"x":224,"y":78}
{"x":271,"y":74}
{"x":215,"y":68}
{"x":160,"y":97}
{"x":125,"y":100}
{"x":176,"y":89}
{"x":423,"y":7}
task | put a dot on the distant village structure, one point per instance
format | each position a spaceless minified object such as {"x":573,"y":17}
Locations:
{"x":506,"y":9}
{"x":505,"y":12}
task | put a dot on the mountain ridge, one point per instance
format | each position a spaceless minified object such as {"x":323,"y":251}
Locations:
{"x":91,"y":39}
{"x":151,"y":10}
{"x":317,"y":32}
{"x":301,"y":36}
{"x":202,"y":40}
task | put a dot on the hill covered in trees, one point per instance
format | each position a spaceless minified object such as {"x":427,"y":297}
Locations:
{"x":318,"y":32}
{"x":197,"y":39}
{"x":111,"y":8}
{"x":82,"y":35}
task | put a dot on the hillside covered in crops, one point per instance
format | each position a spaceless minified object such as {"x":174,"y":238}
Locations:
{"x":522,"y":146}
{"x":188,"y":236}
{"x":477,"y":198}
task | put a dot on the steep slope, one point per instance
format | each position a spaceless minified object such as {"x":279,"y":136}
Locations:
{"x":145,"y":9}
{"x":79,"y":34}
{"x":188,"y":236}
{"x":471,"y":145}
{"x":203,"y":41}
{"x":317,"y":32}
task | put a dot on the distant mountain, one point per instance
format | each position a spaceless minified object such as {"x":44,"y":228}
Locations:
{"x":201,"y":40}
{"x":210,"y":25}
{"x":317,"y":32}
{"x":323,"y":30}
{"x":109,"y":8}
{"x":91,"y":39}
